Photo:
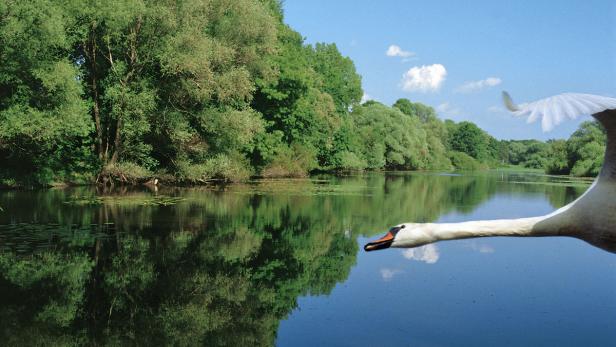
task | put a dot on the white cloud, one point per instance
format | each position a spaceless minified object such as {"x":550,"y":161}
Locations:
{"x":475,"y":86}
{"x":396,"y":51}
{"x":425,"y":78}
{"x":447,"y":110}
{"x":388,"y":274}
{"x":428,"y":254}
{"x":365,"y":98}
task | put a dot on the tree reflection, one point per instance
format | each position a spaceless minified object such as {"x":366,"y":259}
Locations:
{"x":202,"y":266}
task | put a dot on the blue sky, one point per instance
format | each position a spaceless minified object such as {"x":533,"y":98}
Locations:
{"x":457,"y":56}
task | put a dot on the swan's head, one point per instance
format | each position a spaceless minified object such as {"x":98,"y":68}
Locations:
{"x":404,"y":235}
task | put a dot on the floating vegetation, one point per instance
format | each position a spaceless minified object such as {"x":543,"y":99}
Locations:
{"x":126,"y":200}
{"x":83,"y":200}
{"x":301,"y":187}
{"x":570,"y":183}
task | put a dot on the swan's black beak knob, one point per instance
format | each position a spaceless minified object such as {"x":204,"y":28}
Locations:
{"x":383,"y":242}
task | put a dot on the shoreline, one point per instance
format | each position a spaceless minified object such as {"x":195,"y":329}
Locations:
{"x":166,"y":181}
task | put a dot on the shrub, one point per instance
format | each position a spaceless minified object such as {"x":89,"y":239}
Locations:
{"x":124,"y":173}
{"x":350,"y":161}
{"x":464,"y":162}
{"x":557,"y":158}
{"x":295,"y":161}
{"x":223,"y":167}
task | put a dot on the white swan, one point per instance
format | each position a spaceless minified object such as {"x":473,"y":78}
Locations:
{"x":592,"y":217}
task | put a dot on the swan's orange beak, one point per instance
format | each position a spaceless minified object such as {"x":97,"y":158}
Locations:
{"x":382,"y":243}
{"x":385,"y":241}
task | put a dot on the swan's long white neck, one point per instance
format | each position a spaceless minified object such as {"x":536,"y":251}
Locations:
{"x":484,"y":228}
{"x":590,"y":217}
{"x":414,"y":235}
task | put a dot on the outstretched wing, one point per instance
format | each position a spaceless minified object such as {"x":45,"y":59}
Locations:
{"x":555,"y":109}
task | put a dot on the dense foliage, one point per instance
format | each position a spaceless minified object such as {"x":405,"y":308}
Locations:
{"x":195,"y":90}
{"x":580,"y":155}
{"x":192,"y":89}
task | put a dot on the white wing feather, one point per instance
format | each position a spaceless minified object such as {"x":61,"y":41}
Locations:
{"x":555,"y":109}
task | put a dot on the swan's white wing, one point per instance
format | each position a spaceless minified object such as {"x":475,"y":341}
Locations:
{"x":553,"y":110}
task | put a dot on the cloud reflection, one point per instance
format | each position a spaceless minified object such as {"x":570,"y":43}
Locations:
{"x":428,"y":254}
{"x":388,"y":274}
{"x":480,"y":247}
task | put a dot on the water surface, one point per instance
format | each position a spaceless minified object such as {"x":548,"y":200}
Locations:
{"x":280,"y":263}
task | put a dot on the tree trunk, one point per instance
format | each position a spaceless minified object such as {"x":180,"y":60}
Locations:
{"x":117,"y":141}
{"x":91,"y":55}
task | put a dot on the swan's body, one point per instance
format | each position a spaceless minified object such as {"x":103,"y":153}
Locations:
{"x":592,"y":217}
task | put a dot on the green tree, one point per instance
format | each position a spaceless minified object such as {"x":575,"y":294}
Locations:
{"x":586,"y":147}
{"x":198,"y":90}
{"x":406,"y":106}
{"x":44,"y":124}
{"x":178,"y":78}
{"x":390,"y":138}
{"x":470,"y":139}
{"x":305,"y":103}
{"x":536,"y":155}
{"x":557,"y":162}
{"x":423,"y":112}
{"x":517,"y":151}
{"x":340,"y":79}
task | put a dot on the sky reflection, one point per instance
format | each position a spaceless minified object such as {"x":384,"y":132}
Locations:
{"x":559,"y":291}
{"x":428,"y":254}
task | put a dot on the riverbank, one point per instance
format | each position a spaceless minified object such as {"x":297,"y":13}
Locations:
{"x":151,"y":180}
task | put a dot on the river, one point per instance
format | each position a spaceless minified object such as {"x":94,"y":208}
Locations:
{"x":281,"y":263}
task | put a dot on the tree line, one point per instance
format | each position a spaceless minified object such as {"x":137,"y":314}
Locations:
{"x":580,"y":155}
{"x":199,"y":90}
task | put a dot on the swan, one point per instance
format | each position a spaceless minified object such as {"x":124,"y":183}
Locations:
{"x":591,"y":217}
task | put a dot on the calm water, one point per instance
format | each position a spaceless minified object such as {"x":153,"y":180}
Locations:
{"x":280,"y":263}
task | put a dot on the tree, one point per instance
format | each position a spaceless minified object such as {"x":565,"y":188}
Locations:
{"x":585,"y":148}
{"x":405,"y":106}
{"x":423,"y":112}
{"x":390,"y":138}
{"x":340,"y":79}
{"x":470,"y":139}
{"x":44,"y":124}
{"x":202,"y":90}
{"x":536,"y":155}
{"x":557,"y":162}
{"x":165,"y":75}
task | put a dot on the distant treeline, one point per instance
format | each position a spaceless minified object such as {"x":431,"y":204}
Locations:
{"x":194,"y":91}
{"x":580,"y":155}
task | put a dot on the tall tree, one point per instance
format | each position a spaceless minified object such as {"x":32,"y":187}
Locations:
{"x":44,"y":125}
{"x":470,"y":139}
{"x":340,"y":79}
